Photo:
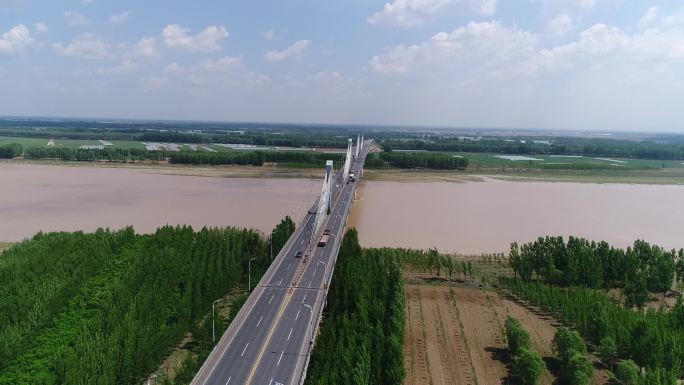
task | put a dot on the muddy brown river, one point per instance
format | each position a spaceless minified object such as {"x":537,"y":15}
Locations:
{"x":56,"y":198}
{"x":469,"y":218}
{"x":476,"y":217}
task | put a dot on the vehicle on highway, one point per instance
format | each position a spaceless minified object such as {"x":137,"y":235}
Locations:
{"x":352,"y":178}
{"x":324,"y":239}
{"x":299,"y":254}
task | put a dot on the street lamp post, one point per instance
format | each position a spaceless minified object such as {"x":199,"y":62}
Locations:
{"x":272,"y":244}
{"x":249,"y":278}
{"x":310,"y":320}
{"x":213,"y":328}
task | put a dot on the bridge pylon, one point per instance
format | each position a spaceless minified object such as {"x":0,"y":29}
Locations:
{"x":347,"y":161}
{"x":325,"y":202}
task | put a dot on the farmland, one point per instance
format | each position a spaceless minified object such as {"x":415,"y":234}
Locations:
{"x":455,"y":327}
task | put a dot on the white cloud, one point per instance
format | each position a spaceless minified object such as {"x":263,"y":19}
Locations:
{"x":209,"y":40}
{"x":86,"y":46}
{"x":407,"y":13}
{"x":146,"y":47}
{"x":75,"y":18}
{"x":120,"y":18}
{"x":16,"y":40}
{"x":154,"y":82}
{"x":295,"y":51}
{"x":491,"y":49}
{"x":331,"y":81}
{"x":475,"y":47}
{"x":269,"y":35}
{"x":562,"y":16}
{"x":40,"y":27}
{"x":125,"y":67}
{"x":604,"y":46}
{"x":210,"y":74}
{"x":649,"y":17}
{"x":226,"y":63}
{"x":172,"y":69}
{"x":560,"y":25}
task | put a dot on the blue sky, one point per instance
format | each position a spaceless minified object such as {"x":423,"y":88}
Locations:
{"x":558,"y":64}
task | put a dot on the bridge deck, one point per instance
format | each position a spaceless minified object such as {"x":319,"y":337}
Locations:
{"x":271,"y":338}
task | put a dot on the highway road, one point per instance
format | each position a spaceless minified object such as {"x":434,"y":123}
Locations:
{"x":270,"y":339}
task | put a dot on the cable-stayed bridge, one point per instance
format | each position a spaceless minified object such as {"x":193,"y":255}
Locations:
{"x":271,"y":338}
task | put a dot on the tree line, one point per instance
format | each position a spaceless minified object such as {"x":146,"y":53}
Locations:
{"x":9,"y":151}
{"x":105,"y":308}
{"x":433,"y":261}
{"x":93,"y":155}
{"x":638,"y":270}
{"x":361,"y":339}
{"x":255,"y":158}
{"x":217,"y":158}
{"x":652,"y":340}
{"x":527,"y":364}
{"x":278,"y":135}
{"x":531,"y":146}
{"x":428,"y":160}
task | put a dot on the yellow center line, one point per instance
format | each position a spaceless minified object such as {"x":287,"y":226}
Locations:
{"x":288,"y":297}
{"x":283,"y":306}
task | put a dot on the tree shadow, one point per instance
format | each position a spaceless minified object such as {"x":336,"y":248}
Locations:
{"x":553,"y":366}
{"x":501,"y":355}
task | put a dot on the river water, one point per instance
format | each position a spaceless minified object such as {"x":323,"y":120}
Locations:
{"x":477,"y":217}
{"x":469,"y":218}
{"x":56,"y":198}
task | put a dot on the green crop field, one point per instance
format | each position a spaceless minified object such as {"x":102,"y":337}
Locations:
{"x":486,"y":160}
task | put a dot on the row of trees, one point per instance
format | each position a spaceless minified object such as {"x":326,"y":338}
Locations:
{"x":434,"y":161}
{"x":361,"y":340}
{"x":280,"y":234}
{"x":255,"y":158}
{"x":39,"y":277}
{"x":105,"y":308}
{"x":281,"y":135}
{"x":571,"y":352}
{"x":201,"y":344}
{"x":532,"y":146}
{"x":638,"y":269}
{"x":654,"y":339}
{"x":9,"y":151}
{"x":92,"y":155}
{"x":201,"y":330}
{"x":217,"y":158}
{"x":527,"y":364}
{"x":433,"y":261}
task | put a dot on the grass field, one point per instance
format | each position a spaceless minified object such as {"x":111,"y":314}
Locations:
{"x":550,"y":162}
{"x":70,"y":143}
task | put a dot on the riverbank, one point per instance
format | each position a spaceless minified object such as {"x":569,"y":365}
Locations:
{"x":457,"y":212}
{"x":659,"y":176}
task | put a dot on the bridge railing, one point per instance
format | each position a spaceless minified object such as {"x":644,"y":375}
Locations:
{"x":319,"y":313}
{"x":239,"y":319}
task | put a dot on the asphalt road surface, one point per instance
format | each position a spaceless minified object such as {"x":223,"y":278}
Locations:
{"x":270,"y":339}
